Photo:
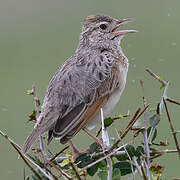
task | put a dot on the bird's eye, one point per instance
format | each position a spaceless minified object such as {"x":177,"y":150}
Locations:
{"x":103,"y":26}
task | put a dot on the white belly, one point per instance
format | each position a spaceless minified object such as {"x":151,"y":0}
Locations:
{"x":112,"y":101}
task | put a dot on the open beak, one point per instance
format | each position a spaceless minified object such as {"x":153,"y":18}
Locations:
{"x":122,"y":32}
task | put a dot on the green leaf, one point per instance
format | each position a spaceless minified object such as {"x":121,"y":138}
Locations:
{"x":116,"y":174}
{"x":108,"y":121}
{"x":102,"y":175}
{"x":154,"y":134}
{"x":122,"y":157}
{"x":83,"y":160}
{"x":102,"y":164}
{"x":124,"y":167}
{"x":92,"y":170}
{"x":93,"y":148}
{"x":32,"y":116}
{"x":27,"y":178}
{"x":139,"y":151}
{"x":39,"y":103}
{"x":131,"y":150}
{"x":162,"y":86}
{"x":154,"y":120}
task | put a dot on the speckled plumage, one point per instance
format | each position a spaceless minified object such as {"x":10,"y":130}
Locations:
{"x":93,"y":77}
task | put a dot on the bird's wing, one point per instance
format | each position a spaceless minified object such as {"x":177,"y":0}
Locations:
{"x":80,"y":88}
{"x":69,"y":95}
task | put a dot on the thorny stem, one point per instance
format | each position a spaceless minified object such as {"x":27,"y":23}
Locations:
{"x":146,"y":145}
{"x":53,"y":158}
{"x":18,"y":147}
{"x":172,"y":128}
{"x":75,"y":170}
{"x":57,"y":168}
{"x":173,"y":101}
{"x":106,"y":144}
{"x":36,"y":103}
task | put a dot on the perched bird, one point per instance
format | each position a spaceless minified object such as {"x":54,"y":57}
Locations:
{"x":93,"y":78}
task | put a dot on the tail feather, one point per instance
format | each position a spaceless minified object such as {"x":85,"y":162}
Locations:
{"x":30,"y":140}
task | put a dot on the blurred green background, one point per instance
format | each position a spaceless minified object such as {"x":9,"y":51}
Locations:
{"x":37,"y":36}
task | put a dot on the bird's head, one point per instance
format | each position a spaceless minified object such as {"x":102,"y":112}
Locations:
{"x":99,"y":29}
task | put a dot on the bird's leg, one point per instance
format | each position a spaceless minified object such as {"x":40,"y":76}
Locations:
{"x":93,"y":136}
{"x":77,"y":153}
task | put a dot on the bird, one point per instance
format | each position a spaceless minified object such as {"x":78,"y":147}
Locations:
{"x":91,"y":79}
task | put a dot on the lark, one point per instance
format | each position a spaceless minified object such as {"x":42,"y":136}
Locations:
{"x":93,"y":78}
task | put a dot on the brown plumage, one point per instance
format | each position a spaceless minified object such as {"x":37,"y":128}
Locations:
{"x":93,"y":78}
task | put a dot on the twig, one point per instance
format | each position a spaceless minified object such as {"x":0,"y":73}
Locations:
{"x":115,"y":118}
{"x":75,"y":170}
{"x":131,"y":123}
{"x":99,"y":154}
{"x":53,"y":158}
{"x":106,"y":144}
{"x":18,"y":147}
{"x":137,"y":165}
{"x":156,"y":77}
{"x":26,"y":162}
{"x":126,"y":154}
{"x":172,"y":128}
{"x":36,"y":103}
{"x":146,"y":145}
{"x":173,"y":101}
{"x":164,"y":83}
{"x":163,"y":97}
{"x":107,"y":155}
{"x":129,"y":126}
{"x":57,"y":168}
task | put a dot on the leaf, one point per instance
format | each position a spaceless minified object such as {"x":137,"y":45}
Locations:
{"x":154,"y":134}
{"x":157,"y":169}
{"x":116,"y":174}
{"x":83,"y":160}
{"x":108,"y":121}
{"x":162,"y":86}
{"x":92,"y":170}
{"x":102,"y":164}
{"x":139,"y":151}
{"x":39,"y":103}
{"x":131,"y":150}
{"x":65,"y":162}
{"x":93,"y":148}
{"x":124,"y":167}
{"x":27,"y":178}
{"x":32,"y":116}
{"x":102,"y":175}
{"x":29,"y":92}
{"x":154,"y":120}
{"x":122,"y":157}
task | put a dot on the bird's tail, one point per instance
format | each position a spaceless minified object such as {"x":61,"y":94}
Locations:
{"x":30,"y":140}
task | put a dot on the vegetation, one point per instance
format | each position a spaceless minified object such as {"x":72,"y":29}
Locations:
{"x":112,"y":159}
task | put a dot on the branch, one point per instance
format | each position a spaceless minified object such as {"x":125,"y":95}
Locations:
{"x":106,"y":144}
{"x":36,"y":101}
{"x":53,"y":158}
{"x":107,"y":155}
{"x":146,"y":145}
{"x":17,"y":147}
{"x":156,"y":77}
{"x":64,"y":174}
{"x":172,"y":128}
{"x":173,"y":101}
